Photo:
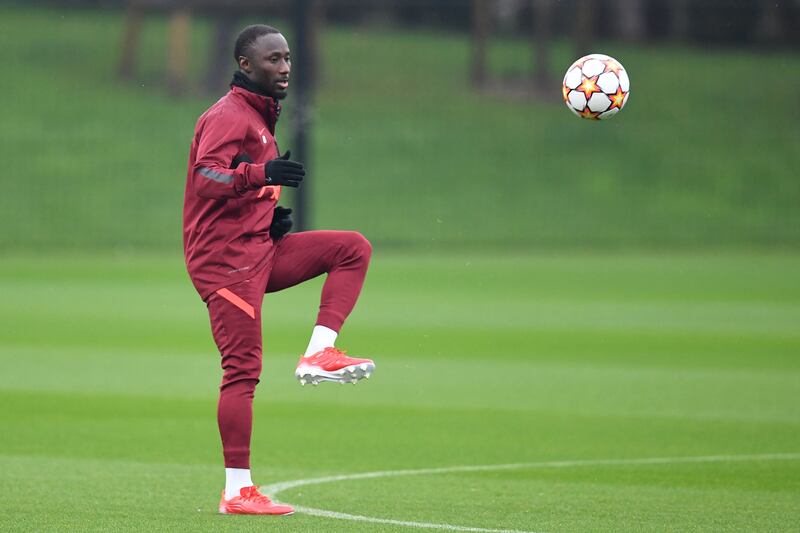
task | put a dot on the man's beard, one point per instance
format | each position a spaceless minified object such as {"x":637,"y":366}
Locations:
{"x":242,"y":80}
{"x":278,"y":95}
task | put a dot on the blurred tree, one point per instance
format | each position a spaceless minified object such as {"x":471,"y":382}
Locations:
{"x":221,"y":61}
{"x":724,"y":22}
{"x":130,"y":40}
{"x":481,"y":26}
{"x":772,"y":21}
{"x":679,"y":26}
{"x":584,"y":26}
{"x":630,"y":19}
{"x":542,"y":11}
{"x":180,"y":28}
{"x":537,"y":22}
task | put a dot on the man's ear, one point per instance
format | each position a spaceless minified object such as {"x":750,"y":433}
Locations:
{"x":244,"y":64}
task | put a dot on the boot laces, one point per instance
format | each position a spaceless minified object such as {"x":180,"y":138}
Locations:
{"x":253,"y":495}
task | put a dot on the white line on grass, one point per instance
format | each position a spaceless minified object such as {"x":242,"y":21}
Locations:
{"x":276,"y":488}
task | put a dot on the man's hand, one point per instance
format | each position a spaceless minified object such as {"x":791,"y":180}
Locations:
{"x":281,"y":222}
{"x":283,"y":171}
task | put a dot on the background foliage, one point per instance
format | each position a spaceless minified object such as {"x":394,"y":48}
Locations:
{"x":705,"y":153}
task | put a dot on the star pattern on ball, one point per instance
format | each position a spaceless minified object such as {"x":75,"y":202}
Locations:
{"x":588,"y":113}
{"x":565,"y":92}
{"x":613,"y":66}
{"x":617,"y":99}
{"x":589,"y":87}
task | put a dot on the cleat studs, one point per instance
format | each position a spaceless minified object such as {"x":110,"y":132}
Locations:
{"x":314,"y":382}
{"x":302,"y":382}
{"x":364,"y":366}
{"x":367,"y":374}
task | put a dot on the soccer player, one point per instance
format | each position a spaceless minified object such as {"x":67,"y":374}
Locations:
{"x":237,"y":247}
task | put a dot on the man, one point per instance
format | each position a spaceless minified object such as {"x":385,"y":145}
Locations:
{"x":237,"y":247}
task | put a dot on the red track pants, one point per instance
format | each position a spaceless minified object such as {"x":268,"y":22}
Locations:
{"x":235,"y":314}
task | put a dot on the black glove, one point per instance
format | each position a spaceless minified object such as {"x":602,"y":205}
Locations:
{"x":283,"y":171}
{"x":281,"y":222}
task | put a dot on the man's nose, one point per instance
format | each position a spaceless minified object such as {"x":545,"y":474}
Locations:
{"x":285,"y":67}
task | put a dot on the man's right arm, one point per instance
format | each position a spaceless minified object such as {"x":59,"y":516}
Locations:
{"x":218,"y":145}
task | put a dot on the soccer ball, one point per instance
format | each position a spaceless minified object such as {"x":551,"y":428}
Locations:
{"x":596,"y":87}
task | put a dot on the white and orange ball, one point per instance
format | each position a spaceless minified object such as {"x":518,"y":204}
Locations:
{"x":596,"y":87}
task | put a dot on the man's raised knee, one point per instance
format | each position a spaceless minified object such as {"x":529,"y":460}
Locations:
{"x":353,"y":245}
{"x":361,"y":245}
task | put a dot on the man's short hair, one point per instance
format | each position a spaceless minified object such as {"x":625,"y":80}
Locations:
{"x":248,"y":37}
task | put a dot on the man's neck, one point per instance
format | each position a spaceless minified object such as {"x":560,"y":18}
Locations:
{"x":240,"y":79}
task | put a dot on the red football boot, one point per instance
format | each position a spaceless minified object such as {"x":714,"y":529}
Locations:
{"x":332,"y":364}
{"x":250,"y":501}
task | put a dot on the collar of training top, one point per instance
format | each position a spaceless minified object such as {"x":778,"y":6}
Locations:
{"x":265,"y":104}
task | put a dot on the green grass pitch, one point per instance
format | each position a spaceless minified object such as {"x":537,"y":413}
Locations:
{"x":109,"y":375}
{"x":585,"y":366}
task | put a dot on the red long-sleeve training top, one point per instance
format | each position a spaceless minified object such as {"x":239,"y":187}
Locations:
{"x":227,"y":211}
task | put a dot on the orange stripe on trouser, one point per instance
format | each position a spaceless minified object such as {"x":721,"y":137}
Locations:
{"x":238,"y":302}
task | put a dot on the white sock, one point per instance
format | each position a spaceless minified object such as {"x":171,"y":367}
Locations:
{"x":235,"y":479}
{"x":321,"y":338}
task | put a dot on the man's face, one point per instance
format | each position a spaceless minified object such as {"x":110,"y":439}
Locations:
{"x":269,"y":64}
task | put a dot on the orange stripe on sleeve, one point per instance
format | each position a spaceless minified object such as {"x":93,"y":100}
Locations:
{"x":238,"y":302}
